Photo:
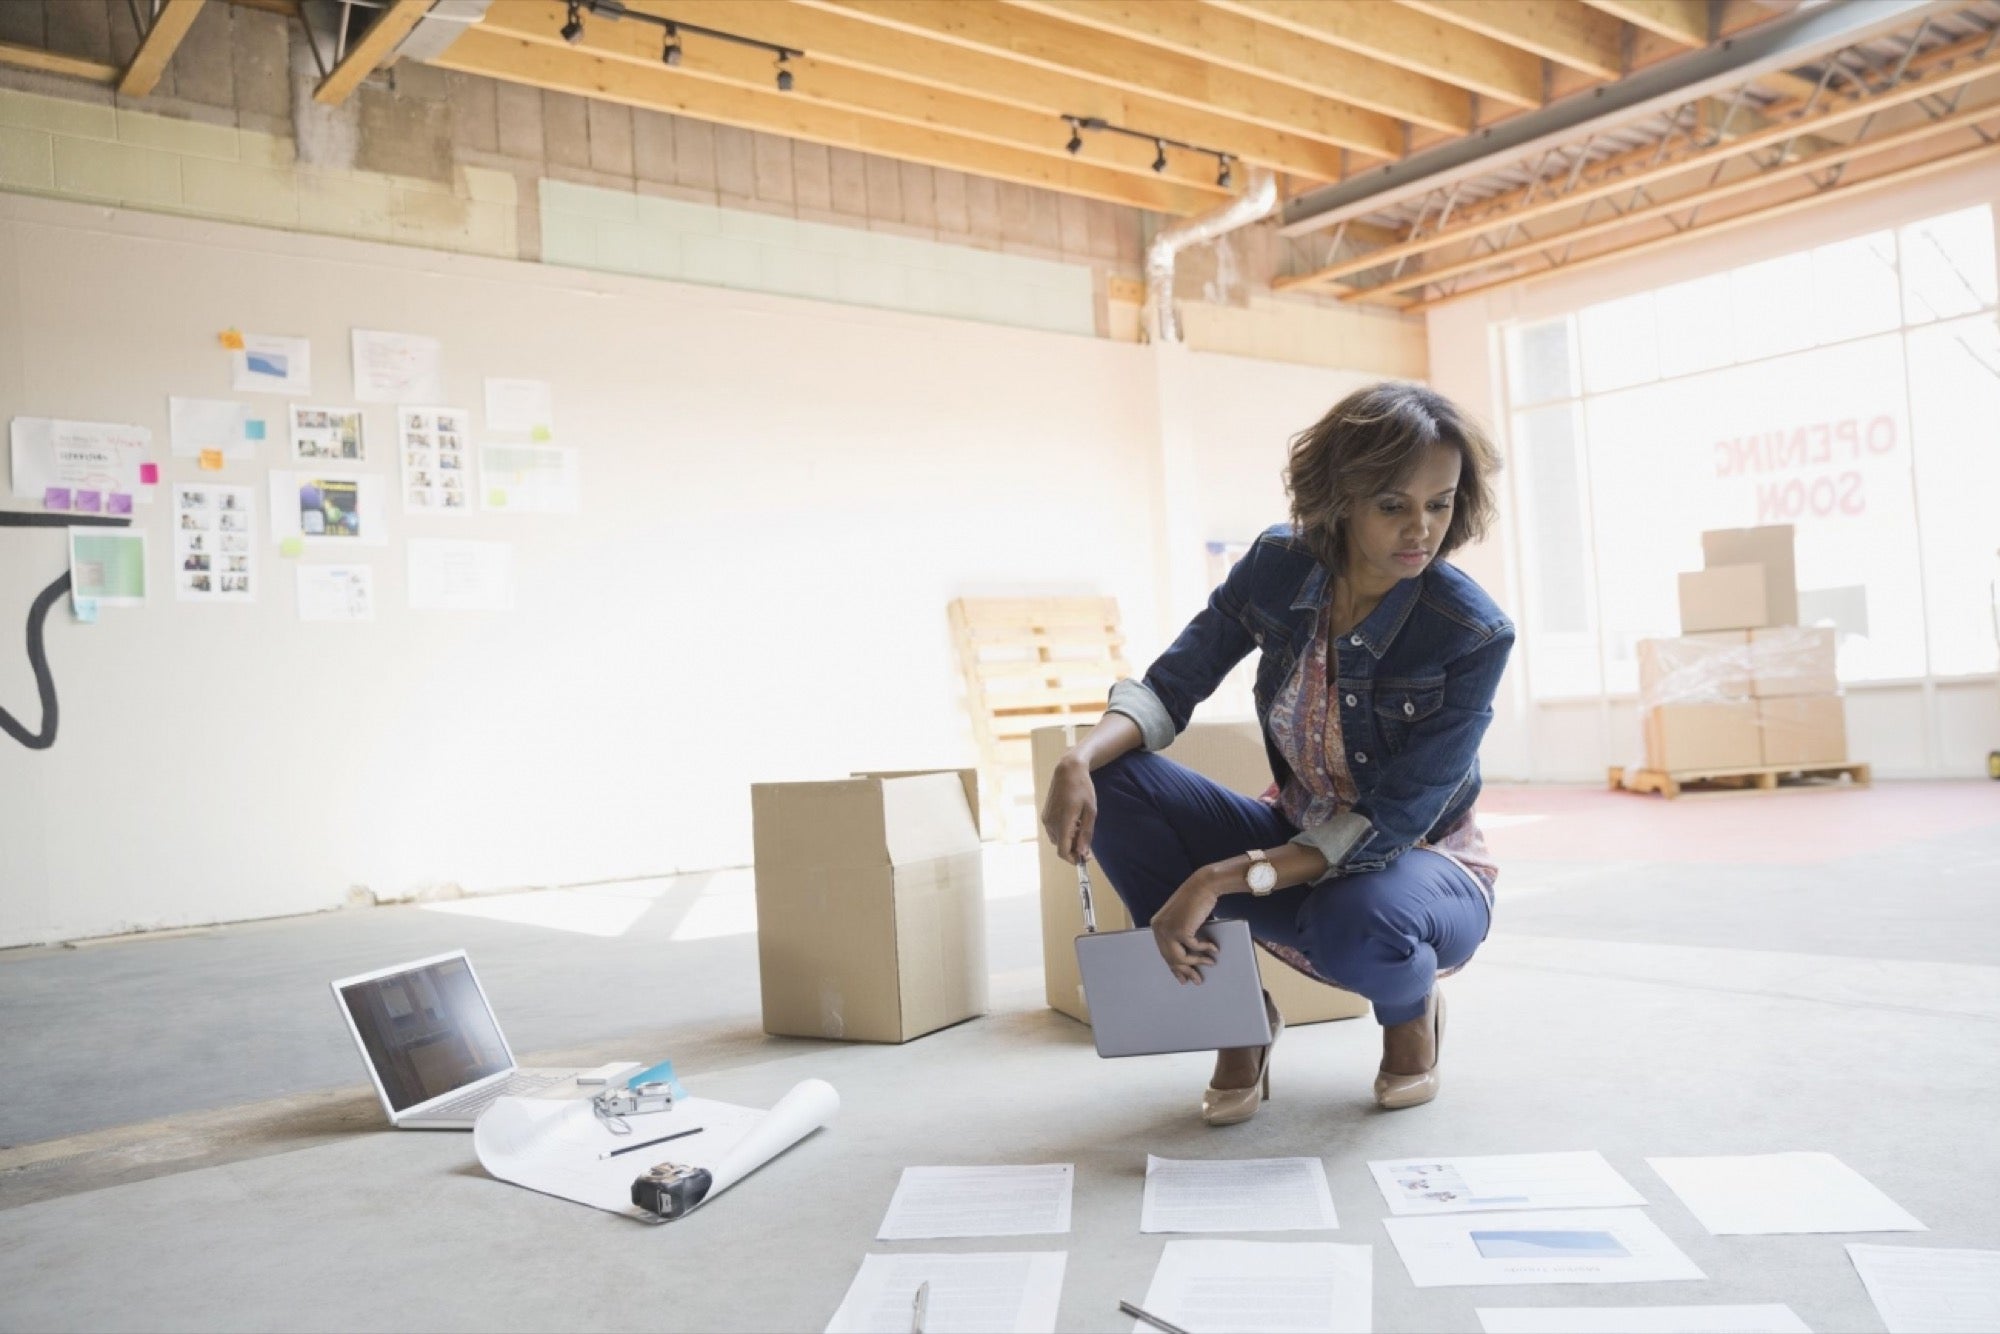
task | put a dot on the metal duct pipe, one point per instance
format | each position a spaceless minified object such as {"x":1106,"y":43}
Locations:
{"x":1255,"y":202}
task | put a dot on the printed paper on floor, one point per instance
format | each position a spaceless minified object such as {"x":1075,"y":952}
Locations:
{"x":979,"y":1202}
{"x":1013,"y":1293}
{"x":1236,"y":1195}
{"x":1555,"y":1246}
{"x":1926,"y":1290}
{"x":1502,"y":1181}
{"x":1761,"y":1194}
{"x":1262,"y":1287}
{"x":1641,"y":1320}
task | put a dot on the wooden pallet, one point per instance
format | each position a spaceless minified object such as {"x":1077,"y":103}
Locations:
{"x":1762,"y":779}
{"x":1029,"y":663}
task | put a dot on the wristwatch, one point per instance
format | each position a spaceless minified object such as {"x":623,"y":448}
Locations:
{"x":1263,"y":876}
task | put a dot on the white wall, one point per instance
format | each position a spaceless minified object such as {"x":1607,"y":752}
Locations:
{"x":1890,"y":726}
{"x":780,"y":497}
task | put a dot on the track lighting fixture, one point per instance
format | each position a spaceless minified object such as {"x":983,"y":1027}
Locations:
{"x":1075,"y":144}
{"x":1159,"y":155}
{"x":671,"y":53}
{"x":784,"y":75}
{"x":572,"y":31}
{"x":1225,"y":164}
{"x":670,"y":48}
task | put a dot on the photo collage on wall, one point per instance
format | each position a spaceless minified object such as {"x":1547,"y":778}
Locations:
{"x":215,"y":556}
{"x":437,"y":459}
{"x":328,"y":433}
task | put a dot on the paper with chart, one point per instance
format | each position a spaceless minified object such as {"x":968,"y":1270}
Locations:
{"x":1016,"y":1292}
{"x":557,"y":1145}
{"x":1926,"y":1290}
{"x":527,"y":406}
{"x":329,"y":508}
{"x":105,"y":458}
{"x":267,"y":364}
{"x":1241,"y":1195}
{"x":1641,"y":1320}
{"x":529,"y":479}
{"x":199,"y":424}
{"x":979,"y":1202}
{"x":437,"y":459}
{"x":328,"y":433}
{"x":107,"y":567}
{"x":1552,"y":1246}
{"x":1758,"y":1194}
{"x":1263,"y":1287}
{"x":336,"y":593}
{"x":215,"y":537}
{"x":397,"y":367}
{"x":1502,"y":1181}
{"x":446,"y":574}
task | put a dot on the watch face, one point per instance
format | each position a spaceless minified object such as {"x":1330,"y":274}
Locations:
{"x":1263,"y":877}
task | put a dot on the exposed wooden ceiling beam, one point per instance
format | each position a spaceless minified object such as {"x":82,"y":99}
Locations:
{"x":1427,"y":47}
{"x":1238,"y":42}
{"x":498,"y":56}
{"x":1045,"y":43}
{"x":49,"y":62}
{"x":843,"y":87}
{"x":1682,"y":21}
{"x":1749,"y":217}
{"x":1568,"y":32}
{"x":862,"y":45}
{"x":376,"y":43}
{"x":170,"y":24}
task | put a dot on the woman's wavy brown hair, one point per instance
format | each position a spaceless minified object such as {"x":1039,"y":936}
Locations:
{"x":1370,"y":443}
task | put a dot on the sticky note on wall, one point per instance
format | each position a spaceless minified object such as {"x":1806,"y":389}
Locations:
{"x":211,"y":460}
{"x":55,"y":498}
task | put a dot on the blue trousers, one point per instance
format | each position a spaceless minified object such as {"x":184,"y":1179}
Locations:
{"x":1381,"y":934}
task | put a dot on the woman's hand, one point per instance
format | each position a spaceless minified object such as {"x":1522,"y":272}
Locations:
{"x":1070,"y":815}
{"x":1175,"y":924}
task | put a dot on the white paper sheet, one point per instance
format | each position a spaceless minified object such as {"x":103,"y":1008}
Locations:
{"x":556,"y":1146}
{"x":1555,"y":1246}
{"x":530,"y":479}
{"x":330,"y":507}
{"x":210,"y":423}
{"x":520,"y":405}
{"x":1241,"y":1195}
{"x":436,"y":449}
{"x":1641,"y":1320}
{"x":1925,"y":1290}
{"x":1502,"y":1181}
{"x":1262,"y":1287}
{"x":336,"y":593}
{"x":1758,"y":1194}
{"x":1012,"y":1293}
{"x":397,"y":367}
{"x":91,"y":456}
{"x":450,"y":575}
{"x":215,"y":543}
{"x":979,"y":1202}
{"x":267,"y":364}
{"x":328,"y":433}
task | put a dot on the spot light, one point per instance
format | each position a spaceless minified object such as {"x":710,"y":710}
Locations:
{"x":1223,"y":176}
{"x":572,"y":31}
{"x":1075,"y":144}
{"x":784,"y":75}
{"x":672,"y":52}
{"x":1159,"y":155}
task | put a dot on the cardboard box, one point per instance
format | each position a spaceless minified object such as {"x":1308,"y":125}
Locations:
{"x":1771,"y":547}
{"x":1683,"y":737}
{"x":1803,"y":729}
{"x":1695,"y":669}
{"x":871,"y":907}
{"x":1233,"y":755}
{"x":1793,"y":660}
{"x":1724,"y":597}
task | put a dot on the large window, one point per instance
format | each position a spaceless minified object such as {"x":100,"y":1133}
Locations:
{"x":1852,"y":391}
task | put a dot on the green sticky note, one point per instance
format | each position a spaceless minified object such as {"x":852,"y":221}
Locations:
{"x":496,"y":499}
{"x":291,"y":547}
{"x":541,"y":433}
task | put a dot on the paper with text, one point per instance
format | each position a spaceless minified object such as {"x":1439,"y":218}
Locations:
{"x":1013,"y":1293}
{"x":1240,"y":1195}
{"x":1923,"y":1290}
{"x":1262,"y":1287}
{"x":1641,"y":1320}
{"x":1502,"y":1181}
{"x":979,"y":1202}
{"x":1555,"y":1246}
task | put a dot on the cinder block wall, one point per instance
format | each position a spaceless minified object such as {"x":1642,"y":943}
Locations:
{"x":419,"y":156}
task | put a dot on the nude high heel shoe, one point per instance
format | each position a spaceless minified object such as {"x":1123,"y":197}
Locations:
{"x":1398,"y":1091}
{"x":1227,"y":1107}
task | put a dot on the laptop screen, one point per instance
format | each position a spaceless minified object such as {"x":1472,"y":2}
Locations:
{"x":427,"y":1030}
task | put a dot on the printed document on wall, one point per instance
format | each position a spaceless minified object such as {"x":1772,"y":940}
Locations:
{"x":527,"y":406}
{"x":1263,"y":1287}
{"x":1502,"y":1181}
{"x":530,"y":479}
{"x":437,"y":460}
{"x":328,"y":433}
{"x":215,"y":528}
{"x":397,"y":367}
{"x":1556,"y":1246}
{"x":210,"y":423}
{"x":1926,"y":1290}
{"x":329,"y":508}
{"x":336,"y":593}
{"x":107,"y":567}
{"x":451,"y":575}
{"x":105,"y":457}
{"x":1016,"y":1292}
{"x":266,"y":364}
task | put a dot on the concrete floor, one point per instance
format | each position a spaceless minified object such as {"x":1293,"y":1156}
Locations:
{"x":189,"y":1144}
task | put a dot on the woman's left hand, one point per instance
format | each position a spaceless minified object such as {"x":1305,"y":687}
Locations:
{"x":1177,"y":921}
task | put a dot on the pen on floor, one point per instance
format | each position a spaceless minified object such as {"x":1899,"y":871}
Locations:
{"x":1152,"y":1320}
{"x":630,"y":1148}
{"x":920,"y":1306}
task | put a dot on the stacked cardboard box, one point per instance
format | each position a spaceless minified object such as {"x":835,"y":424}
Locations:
{"x":1232,"y":754}
{"x":1745,"y":686}
{"x":871,"y":909}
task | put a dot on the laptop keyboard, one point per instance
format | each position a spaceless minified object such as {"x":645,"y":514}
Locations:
{"x":468,"y":1107}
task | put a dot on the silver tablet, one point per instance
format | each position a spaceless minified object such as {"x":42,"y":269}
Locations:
{"x":1139,"y":1008}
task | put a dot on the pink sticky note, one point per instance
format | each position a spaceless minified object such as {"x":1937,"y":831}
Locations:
{"x":118,"y":502}
{"x":149,"y":474}
{"x":90,"y":502}
{"x":55,"y":498}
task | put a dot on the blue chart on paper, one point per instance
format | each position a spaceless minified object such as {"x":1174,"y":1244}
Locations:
{"x":268,"y":363}
{"x":1549,"y":1245}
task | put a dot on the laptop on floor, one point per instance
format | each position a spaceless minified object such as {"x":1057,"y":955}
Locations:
{"x":433,"y":1048}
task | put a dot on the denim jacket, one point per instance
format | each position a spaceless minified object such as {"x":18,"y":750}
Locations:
{"x":1415,"y":685}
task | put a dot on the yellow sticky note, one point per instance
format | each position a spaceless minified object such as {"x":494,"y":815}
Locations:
{"x":231,"y":339}
{"x":496,"y":499}
{"x":211,"y":460}
{"x":292,"y":547}
{"x":541,"y":433}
